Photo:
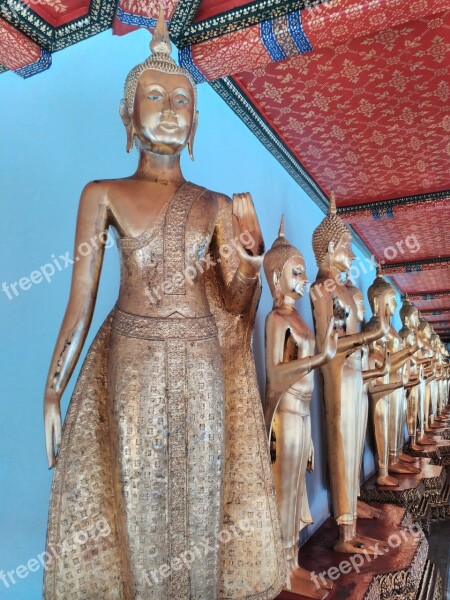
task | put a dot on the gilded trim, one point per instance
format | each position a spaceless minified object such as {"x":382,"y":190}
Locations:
{"x":182,"y":18}
{"x":385,"y":207}
{"x":429,"y":295}
{"x":42,"y":64}
{"x":426,"y":264}
{"x":241,"y":17}
{"x":23,"y":18}
{"x":248,"y":113}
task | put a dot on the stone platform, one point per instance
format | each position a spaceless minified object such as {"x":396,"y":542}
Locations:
{"x":401,"y":573}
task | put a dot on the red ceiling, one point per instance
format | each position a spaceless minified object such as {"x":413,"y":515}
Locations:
{"x":369,"y":118}
{"x":416,"y":232}
{"x":58,"y":12}
{"x":425,"y":281}
{"x":211,"y":8}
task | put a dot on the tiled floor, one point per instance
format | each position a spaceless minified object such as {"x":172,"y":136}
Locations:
{"x":439,"y":541}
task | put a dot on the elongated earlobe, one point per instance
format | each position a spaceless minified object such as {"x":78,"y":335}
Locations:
{"x":130,"y":138}
{"x":128,"y":124}
{"x":190,"y":143}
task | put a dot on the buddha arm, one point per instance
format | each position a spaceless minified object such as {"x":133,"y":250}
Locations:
{"x":238,"y":278}
{"x":374,"y":373}
{"x":399,"y":358}
{"x":282,"y":375}
{"x":92,"y":225}
{"x":381,"y":390}
{"x":412,"y":383}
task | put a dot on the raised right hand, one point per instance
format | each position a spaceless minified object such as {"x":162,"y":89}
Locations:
{"x":329,"y":346}
{"x":52,"y":425}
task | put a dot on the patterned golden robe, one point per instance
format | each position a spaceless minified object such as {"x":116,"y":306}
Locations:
{"x":163,"y":488}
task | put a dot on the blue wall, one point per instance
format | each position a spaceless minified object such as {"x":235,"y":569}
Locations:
{"x":59,"y":130}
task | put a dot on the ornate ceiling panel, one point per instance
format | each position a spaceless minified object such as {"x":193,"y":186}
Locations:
{"x":408,"y":233}
{"x":369,"y":118}
{"x":431,"y":281}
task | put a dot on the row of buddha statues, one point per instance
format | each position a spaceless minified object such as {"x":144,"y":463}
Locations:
{"x":166,"y":438}
{"x":401,"y":378}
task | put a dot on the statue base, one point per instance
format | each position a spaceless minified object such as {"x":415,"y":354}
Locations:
{"x":423,"y":494}
{"x":438,"y":451}
{"x":396,"y":575}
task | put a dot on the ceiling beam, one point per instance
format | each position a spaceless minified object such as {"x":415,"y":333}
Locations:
{"x":428,"y":295}
{"x":385,"y":207}
{"x":416,"y":266}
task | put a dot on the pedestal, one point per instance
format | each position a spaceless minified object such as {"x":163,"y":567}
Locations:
{"x":416,"y":492}
{"x":395,"y":575}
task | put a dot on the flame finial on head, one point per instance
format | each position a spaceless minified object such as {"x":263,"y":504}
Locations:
{"x":160,"y":60}
{"x":281,"y":230}
{"x":332,"y":209}
{"x":278,"y":255}
{"x":160,"y":42}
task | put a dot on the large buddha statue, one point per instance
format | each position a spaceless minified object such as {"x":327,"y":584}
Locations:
{"x":343,"y":380}
{"x":290,"y":361}
{"x":164,"y":438}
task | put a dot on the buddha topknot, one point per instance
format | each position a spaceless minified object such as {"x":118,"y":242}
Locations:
{"x":331,"y":229}
{"x":160,"y":59}
{"x":278,"y":255}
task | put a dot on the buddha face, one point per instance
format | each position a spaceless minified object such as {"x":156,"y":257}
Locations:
{"x":414,"y":319}
{"x":293,"y":278}
{"x":343,"y":254}
{"x":389,"y":301}
{"x":359,"y":303}
{"x":411,"y":338}
{"x":163,"y":112}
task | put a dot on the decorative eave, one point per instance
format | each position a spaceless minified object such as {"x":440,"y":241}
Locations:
{"x":428,"y":264}
{"x":423,"y":296}
{"x":240,"y":17}
{"x":384,"y":209}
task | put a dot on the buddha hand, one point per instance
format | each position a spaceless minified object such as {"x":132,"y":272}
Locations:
{"x":247,"y":235}
{"x":52,"y":425}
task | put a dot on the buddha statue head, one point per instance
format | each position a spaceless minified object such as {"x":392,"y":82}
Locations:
{"x":409,"y":314}
{"x":160,"y":100}
{"x":332,"y":241}
{"x":381,"y":294}
{"x":285,"y":269}
{"x":424,"y":329}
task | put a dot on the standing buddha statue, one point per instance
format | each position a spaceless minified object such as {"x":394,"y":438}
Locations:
{"x":164,"y":437}
{"x":342,"y":376}
{"x":290,"y":361}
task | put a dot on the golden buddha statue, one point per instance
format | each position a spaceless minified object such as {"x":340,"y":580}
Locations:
{"x":434,"y":384}
{"x":409,"y":316}
{"x":343,"y":380}
{"x":381,"y":293}
{"x":443,"y":380}
{"x":427,"y":355}
{"x":394,"y":406}
{"x":365,"y":511}
{"x":164,"y":437}
{"x":290,"y":361}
